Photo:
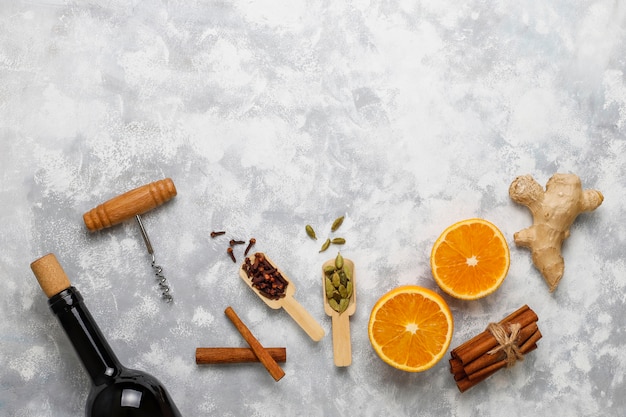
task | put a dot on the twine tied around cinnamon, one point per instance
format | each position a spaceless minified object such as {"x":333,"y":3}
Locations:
{"x":507,"y":342}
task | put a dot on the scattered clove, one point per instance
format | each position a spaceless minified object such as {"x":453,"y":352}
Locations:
{"x":234,"y":242}
{"x":252,"y":242}
{"x":231,"y":254}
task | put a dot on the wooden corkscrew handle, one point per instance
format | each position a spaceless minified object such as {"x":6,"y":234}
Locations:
{"x":129,"y":204}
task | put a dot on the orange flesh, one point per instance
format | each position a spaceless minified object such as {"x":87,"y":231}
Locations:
{"x":411,"y":330}
{"x":471,"y":259}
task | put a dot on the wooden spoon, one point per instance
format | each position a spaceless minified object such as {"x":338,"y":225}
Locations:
{"x":342,"y":348}
{"x":289,"y":303}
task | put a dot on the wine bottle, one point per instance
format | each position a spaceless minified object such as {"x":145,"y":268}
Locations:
{"x":116,"y":390}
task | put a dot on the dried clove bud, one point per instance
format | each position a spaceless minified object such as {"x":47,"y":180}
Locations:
{"x":267,"y":279}
{"x":231,"y":254}
{"x":234,"y":242}
{"x":215,"y":234}
{"x":252,"y":242}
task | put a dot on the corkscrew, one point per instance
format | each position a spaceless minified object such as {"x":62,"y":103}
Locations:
{"x":158,"y":270}
{"x":134,"y":203}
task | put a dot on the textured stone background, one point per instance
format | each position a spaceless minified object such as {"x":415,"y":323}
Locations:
{"x":405,"y":116}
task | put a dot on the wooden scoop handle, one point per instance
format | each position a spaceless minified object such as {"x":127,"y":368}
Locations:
{"x":342,"y":348}
{"x":303,"y":318}
{"x":129,"y":204}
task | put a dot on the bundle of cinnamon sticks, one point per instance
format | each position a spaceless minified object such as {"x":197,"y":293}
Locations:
{"x":500,"y":346}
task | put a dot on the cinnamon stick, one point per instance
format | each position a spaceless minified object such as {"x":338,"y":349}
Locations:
{"x":456,"y":368}
{"x":466,"y":383}
{"x":223,"y":355}
{"x":270,"y":364}
{"x":476,"y":359}
{"x":485,"y":341}
{"x":486,"y":360}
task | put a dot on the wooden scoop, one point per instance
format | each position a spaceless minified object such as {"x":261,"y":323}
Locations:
{"x":289,"y":303}
{"x":342,"y":348}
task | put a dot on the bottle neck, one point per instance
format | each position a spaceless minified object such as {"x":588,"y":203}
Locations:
{"x":95,"y":353}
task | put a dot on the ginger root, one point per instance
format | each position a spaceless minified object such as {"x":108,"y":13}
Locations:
{"x":553,"y":212}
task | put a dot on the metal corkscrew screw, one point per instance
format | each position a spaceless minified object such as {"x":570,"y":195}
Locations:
{"x":158,"y":270}
{"x":132,"y":204}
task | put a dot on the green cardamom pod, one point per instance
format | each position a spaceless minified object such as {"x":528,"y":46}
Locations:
{"x":333,"y":304}
{"x":343,"y":305}
{"x":338,"y":241}
{"x":325,"y":245}
{"x":310,"y":232}
{"x":336,"y":280}
{"x":336,"y":296}
{"x":349,"y":289}
{"x":348,"y":272}
{"x":329,"y":288}
{"x":339,"y":261}
{"x":329,"y":269}
{"x":338,"y":221}
{"x":343,"y":291}
{"x":343,"y":277}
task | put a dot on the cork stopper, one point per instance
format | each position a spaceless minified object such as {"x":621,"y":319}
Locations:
{"x":50,"y":275}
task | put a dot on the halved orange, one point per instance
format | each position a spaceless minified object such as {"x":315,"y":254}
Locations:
{"x":470,"y":259}
{"x":410,"y":328}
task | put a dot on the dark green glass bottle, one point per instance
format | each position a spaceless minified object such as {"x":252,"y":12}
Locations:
{"x":116,"y":391}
